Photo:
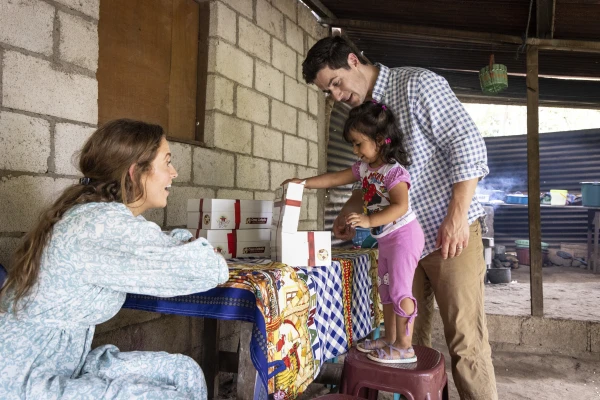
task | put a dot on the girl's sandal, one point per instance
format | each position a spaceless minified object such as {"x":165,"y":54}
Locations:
{"x":385,"y":358}
{"x":368,"y":345}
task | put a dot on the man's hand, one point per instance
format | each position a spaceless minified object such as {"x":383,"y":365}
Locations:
{"x":453,"y":236}
{"x":362,"y":220}
{"x":342,"y":230}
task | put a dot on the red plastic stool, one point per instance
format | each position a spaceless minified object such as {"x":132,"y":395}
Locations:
{"x":337,"y":396}
{"x":424,"y":380}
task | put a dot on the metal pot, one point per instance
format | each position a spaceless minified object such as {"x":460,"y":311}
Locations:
{"x":499,"y":275}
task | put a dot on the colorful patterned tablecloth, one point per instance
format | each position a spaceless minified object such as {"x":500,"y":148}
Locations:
{"x":302,"y":316}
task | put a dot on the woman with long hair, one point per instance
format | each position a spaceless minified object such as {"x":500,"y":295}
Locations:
{"x":73,"y":269}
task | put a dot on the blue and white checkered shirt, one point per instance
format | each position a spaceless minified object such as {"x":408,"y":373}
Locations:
{"x":444,"y":144}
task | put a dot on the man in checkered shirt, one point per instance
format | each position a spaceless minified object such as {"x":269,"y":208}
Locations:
{"x":448,"y":159}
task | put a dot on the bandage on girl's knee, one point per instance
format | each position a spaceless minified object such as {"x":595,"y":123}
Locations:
{"x":400,"y":311}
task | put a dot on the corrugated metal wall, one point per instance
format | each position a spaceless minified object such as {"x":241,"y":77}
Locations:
{"x":566,"y":158}
{"x":339,"y":156}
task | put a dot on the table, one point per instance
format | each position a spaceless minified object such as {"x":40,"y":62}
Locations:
{"x":299,"y":318}
{"x":593,"y":224}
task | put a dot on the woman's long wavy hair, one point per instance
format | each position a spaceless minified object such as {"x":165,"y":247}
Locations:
{"x":377,"y":122}
{"x":105,"y":159}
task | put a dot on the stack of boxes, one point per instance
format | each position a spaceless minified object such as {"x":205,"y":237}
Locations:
{"x":259,"y":228}
{"x":293,"y":247}
{"x":236,"y":228}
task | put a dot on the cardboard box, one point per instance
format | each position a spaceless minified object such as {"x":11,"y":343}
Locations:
{"x":240,"y":243}
{"x":286,"y":210}
{"x":302,"y":249}
{"x":229,"y":214}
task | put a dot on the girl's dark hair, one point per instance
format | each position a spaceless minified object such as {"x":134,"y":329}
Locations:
{"x":331,"y":52}
{"x":377,"y":122}
{"x":105,"y":160}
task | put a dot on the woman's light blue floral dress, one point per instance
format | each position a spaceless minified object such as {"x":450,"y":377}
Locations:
{"x":99,"y":252}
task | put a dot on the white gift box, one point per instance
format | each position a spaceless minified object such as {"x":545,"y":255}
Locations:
{"x":235,"y":243}
{"x":229,"y":214}
{"x":286,"y":210}
{"x":302,"y":248}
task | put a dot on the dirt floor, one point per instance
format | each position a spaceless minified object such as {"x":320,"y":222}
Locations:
{"x":569,"y":293}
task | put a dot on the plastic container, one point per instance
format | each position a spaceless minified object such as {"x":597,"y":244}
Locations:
{"x":523,"y":252}
{"x":558,"y":197}
{"x":499,"y":275}
{"x":590,"y":194}
{"x":516,"y":198}
{"x":363,"y":238}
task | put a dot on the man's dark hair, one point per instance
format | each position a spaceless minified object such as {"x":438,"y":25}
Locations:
{"x":329,"y":52}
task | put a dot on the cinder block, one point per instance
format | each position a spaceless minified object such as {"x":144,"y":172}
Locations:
{"x":295,"y":93}
{"x":557,"y":334}
{"x":156,"y":215}
{"x":234,"y":194}
{"x":310,"y":42}
{"x":308,"y":22}
{"x":177,"y":203}
{"x":126,"y":317}
{"x":24,"y":197}
{"x":307,"y":126}
{"x":27,"y":24}
{"x":283,"y":117}
{"x":181,"y":157}
{"x":87,"y":7}
{"x":504,"y":328}
{"x":294,"y":36}
{"x":78,"y":41}
{"x":24,"y":143}
{"x":30,"y":84}
{"x":269,"y":80}
{"x":304,"y":208}
{"x":264,"y":196}
{"x":244,"y":7}
{"x":306,"y":172}
{"x":251,"y":173}
{"x":288,"y":7}
{"x":284,"y":58}
{"x":170,"y":333}
{"x":213,"y":167}
{"x":307,"y":225}
{"x":594,"y":336}
{"x":269,"y":18}
{"x":8,"y":245}
{"x":295,"y":150}
{"x":219,"y":94}
{"x":312,"y":206}
{"x":230,"y":62}
{"x":222,"y":22}
{"x":280,"y":172}
{"x":267,"y":143}
{"x":254,"y":40}
{"x":229,"y":133}
{"x":313,"y":101}
{"x":252,"y":106}
{"x":68,"y":141}
{"x":313,"y":155}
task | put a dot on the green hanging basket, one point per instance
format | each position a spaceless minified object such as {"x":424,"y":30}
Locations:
{"x":493,"y":77}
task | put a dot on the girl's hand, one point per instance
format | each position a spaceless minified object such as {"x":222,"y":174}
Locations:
{"x":293,"y":180}
{"x":362,"y":220}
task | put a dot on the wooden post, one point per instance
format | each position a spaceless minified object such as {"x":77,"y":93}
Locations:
{"x":533,"y":178}
{"x":210,"y":356}
{"x":246,"y":378}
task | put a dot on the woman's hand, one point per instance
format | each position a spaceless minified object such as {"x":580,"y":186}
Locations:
{"x":362,"y":220}
{"x":341,"y":229}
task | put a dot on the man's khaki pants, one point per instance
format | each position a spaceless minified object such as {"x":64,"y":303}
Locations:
{"x":457,"y":284}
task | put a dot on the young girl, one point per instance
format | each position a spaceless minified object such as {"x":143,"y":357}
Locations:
{"x":73,"y":270}
{"x":378,"y":143}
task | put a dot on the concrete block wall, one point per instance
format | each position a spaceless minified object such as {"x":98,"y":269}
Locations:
{"x":263,"y":125}
{"x":48,"y":104}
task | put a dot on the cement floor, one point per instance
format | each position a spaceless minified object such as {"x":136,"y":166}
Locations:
{"x":569,"y":293}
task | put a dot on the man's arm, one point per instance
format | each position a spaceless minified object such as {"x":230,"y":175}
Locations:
{"x":457,"y":136}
